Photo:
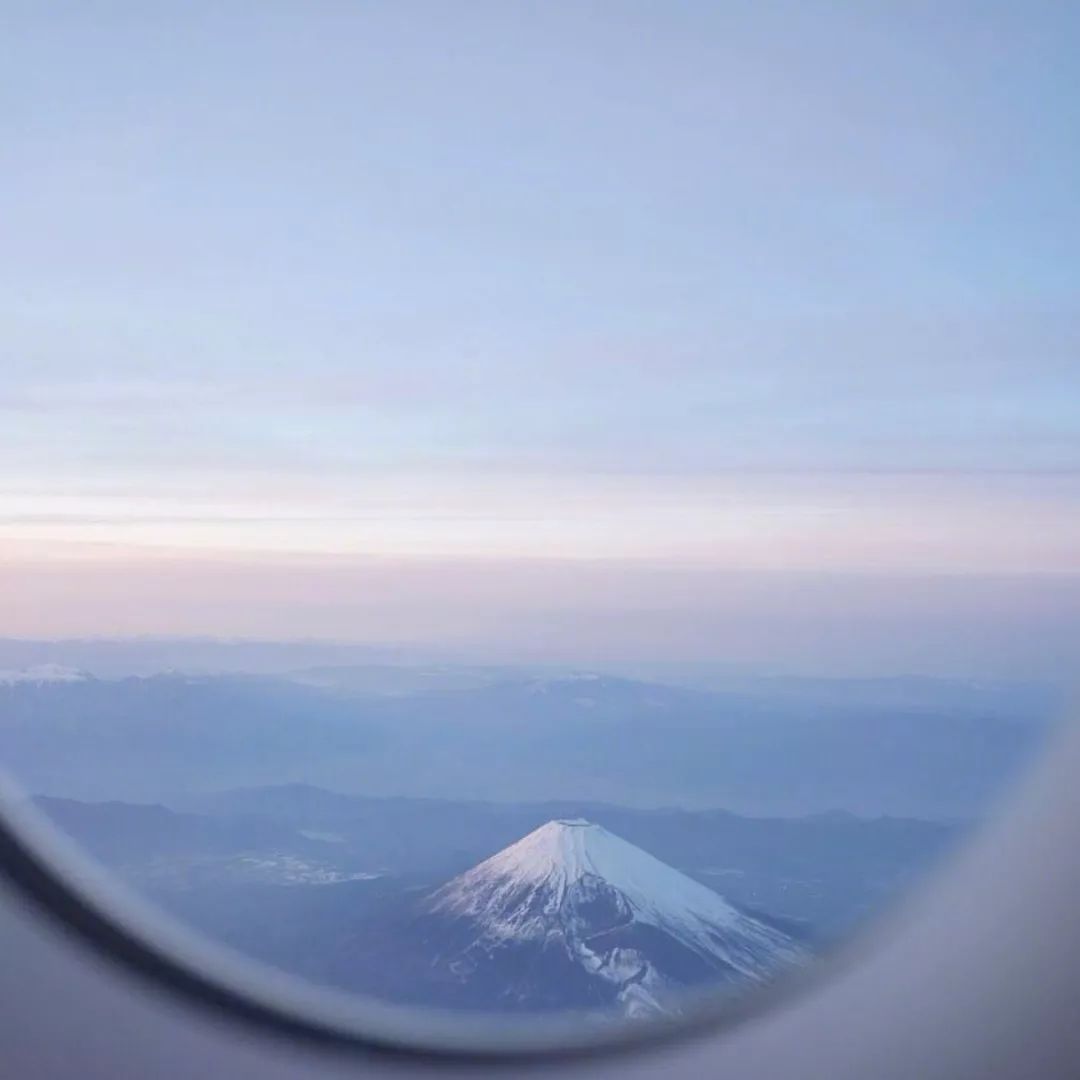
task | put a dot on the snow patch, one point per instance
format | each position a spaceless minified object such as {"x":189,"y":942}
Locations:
{"x":43,"y":673}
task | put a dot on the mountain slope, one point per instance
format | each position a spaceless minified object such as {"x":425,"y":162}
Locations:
{"x":574,"y":916}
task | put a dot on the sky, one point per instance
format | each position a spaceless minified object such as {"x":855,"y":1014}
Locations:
{"x":652,"y":328}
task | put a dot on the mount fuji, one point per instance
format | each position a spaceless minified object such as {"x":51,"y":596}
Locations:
{"x":573,"y":917}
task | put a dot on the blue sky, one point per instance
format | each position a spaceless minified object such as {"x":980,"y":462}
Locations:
{"x":745,"y":287}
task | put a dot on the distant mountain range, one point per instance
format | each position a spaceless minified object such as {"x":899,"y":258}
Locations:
{"x":495,"y":838}
{"x":919,"y":748}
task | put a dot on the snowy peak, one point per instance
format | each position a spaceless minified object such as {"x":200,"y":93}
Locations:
{"x":562,"y":853}
{"x":557,"y":880}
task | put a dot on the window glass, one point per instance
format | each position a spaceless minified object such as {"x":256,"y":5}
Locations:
{"x":535,"y":509}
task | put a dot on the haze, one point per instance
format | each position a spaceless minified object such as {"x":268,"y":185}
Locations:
{"x":730,"y":332}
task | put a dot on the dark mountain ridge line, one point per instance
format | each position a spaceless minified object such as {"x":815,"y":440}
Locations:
{"x":805,"y":694}
{"x":555,"y":807}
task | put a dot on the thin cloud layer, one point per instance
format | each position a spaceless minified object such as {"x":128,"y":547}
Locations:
{"x":757,"y":291}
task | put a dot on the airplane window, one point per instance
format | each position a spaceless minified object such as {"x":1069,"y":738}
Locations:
{"x":523,"y":523}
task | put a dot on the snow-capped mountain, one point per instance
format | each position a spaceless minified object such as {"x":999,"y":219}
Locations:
{"x":573,"y":916}
{"x":41,"y":674}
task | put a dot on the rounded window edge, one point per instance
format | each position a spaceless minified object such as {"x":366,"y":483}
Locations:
{"x":56,"y":878}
